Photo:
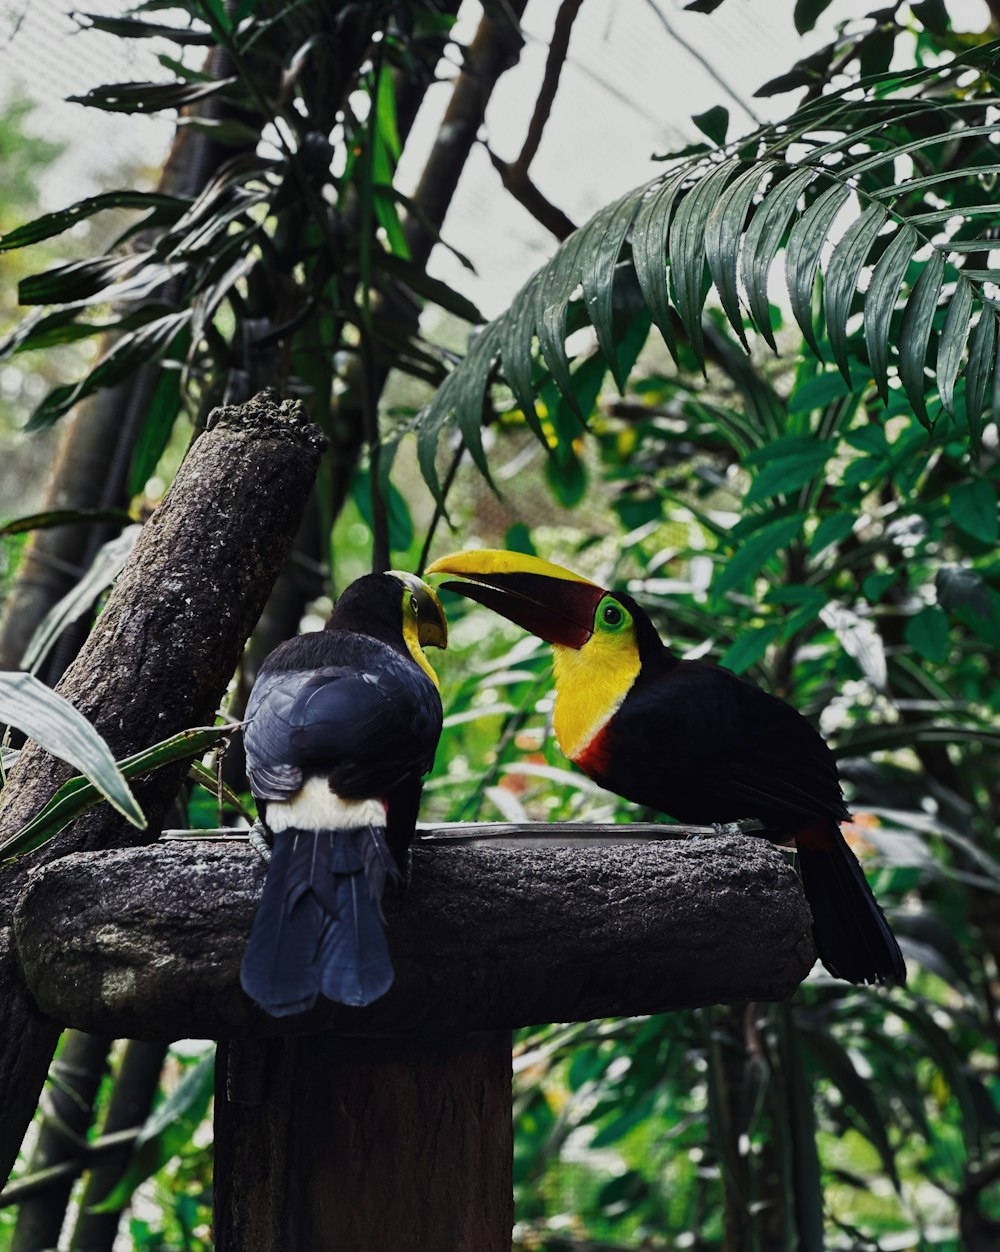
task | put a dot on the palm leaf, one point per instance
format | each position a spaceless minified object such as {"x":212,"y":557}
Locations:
{"x":812,"y":195}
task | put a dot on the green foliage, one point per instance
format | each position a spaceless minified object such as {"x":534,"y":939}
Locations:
{"x":787,"y":185}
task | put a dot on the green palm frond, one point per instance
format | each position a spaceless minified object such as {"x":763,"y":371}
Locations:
{"x":892,"y":178}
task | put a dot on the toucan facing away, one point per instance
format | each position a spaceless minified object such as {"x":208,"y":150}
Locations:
{"x":689,"y":739}
{"x":341,"y":725}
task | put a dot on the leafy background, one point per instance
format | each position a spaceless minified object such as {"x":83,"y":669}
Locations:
{"x":823,"y":519}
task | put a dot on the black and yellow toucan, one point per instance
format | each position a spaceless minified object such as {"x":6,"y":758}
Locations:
{"x":690,"y":739}
{"x":341,"y":725}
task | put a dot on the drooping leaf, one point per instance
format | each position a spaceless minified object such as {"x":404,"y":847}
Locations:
{"x":78,"y":794}
{"x":722,"y":241}
{"x":845,"y":266}
{"x":598,"y":261}
{"x":751,"y":555}
{"x":50,"y":224}
{"x":55,"y":725}
{"x":880,"y":301}
{"x":763,"y":237}
{"x":687,"y":251}
{"x":979,"y":371}
{"x":952,"y":343}
{"x":649,"y":251}
{"x":61,"y":517}
{"x":149,"y":97}
{"x":802,"y":257}
{"x":915,"y":332}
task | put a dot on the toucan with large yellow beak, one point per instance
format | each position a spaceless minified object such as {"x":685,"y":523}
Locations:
{"x":341,"y":725}
{"x":689,"y":739}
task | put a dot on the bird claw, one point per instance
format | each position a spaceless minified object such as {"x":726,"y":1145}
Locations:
{"x":259,"y":839}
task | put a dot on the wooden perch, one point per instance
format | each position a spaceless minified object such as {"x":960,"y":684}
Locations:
{"x":147,"y":942}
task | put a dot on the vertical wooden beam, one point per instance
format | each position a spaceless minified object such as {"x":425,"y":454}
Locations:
{"x":364,"y":1145}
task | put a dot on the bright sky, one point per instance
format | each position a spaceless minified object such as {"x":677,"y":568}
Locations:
{"x":628,"y":91}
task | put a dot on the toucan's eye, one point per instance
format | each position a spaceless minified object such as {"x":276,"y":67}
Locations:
{"x":613,"y":615}
{"x":414,"y":606}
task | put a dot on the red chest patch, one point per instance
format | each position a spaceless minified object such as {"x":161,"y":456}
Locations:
{"x":596,"y":756}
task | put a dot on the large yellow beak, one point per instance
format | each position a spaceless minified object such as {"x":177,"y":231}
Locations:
{"x":552,"y":602}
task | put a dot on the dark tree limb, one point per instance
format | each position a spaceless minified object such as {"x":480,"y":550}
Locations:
{"x":158,"y":660}
{"x":514,"y":174}
{"x":147,"y":943}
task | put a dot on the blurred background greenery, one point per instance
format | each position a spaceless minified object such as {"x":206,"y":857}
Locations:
{"x":772,"y":512}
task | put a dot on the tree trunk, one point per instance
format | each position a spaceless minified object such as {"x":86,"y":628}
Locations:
{"x":158,"y":661}
{"x":366,"y":1145}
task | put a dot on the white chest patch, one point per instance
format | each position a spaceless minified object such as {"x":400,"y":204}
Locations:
{"x":315,"y":807}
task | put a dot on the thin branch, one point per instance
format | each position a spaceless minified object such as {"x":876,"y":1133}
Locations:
{"x":440,"y":507}
{"x":705,"y":64}
{"x":514,"y":174}
{"x":21,"y":1188}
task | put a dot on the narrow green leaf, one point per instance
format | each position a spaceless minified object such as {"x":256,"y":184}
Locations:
{"x":419,"y":281}
{"x":649,"y":254}
{"x":952,"y":342}
{"x":55,"y":725}
{"x":722,"y":240}
{"x":788,"y":474}
{"x":973,"y":507}
{"x":845,"y":266}
{"x":470,"y":395}
{"x":558,"y":281}
{"x":687,"y":251}
{"x":166,"y":1132}
{"x":805,"y":243}
{"x":149,"y":97}
{"x":55,"y":223}
{"x":158,"y":423}
{"x":915,"y":331}
{"x":598,"y":261}
{"x":104,"y":569}
{"x":763,"y":238}
{"x":748,"y":648}
{"x":516,"y":331}
{"x":927,"y":632}
{"x":832,"y":529}
{"x":751,"y":555}
{"x":132,"y":28}
{"x":77,"y":794}
{"x":880,"y":302}
{"x":979,"y":371}
{"x":61,"y":517}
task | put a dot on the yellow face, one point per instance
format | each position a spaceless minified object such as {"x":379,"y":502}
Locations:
{"x":424,"y":622}
{"x":592,"y":681}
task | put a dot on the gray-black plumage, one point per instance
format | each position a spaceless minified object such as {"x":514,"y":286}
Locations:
{"x":338,"y":717}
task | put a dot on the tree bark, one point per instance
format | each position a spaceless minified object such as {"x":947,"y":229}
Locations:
{"x":366,"y":1145}
{"x":147,"y":943}
{"x":158,"y":660}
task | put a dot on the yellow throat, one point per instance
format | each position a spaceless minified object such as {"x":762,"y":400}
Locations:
{"x":591,"y":684}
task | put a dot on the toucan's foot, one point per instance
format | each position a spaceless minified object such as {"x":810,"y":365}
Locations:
{"x":259,"y":839}
{"x":728,"y":828}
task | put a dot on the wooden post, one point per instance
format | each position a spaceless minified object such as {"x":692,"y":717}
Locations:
{"x":364,"y":1145}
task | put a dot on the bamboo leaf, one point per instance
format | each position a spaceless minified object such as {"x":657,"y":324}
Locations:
{"x":516,"y":330}
{"x":687,"y":252}
{"x":802,"y":256}
{"x":78,"y":794}
{"x":55,"y":725}
{"x":649,"y":255}
{"x":915,"y":331}
{"x":848,"y":258}
{"x":722,"y":241}
{"x":763,"y":238}
{"x":880,"y":302}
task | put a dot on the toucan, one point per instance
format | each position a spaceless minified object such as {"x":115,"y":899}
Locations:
{"x":341,"y":725}
{"x":690,"y":739}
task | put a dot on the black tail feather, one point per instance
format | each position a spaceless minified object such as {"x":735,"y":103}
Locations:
{"x":318,"y":928}
{"x":853,"y":939}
